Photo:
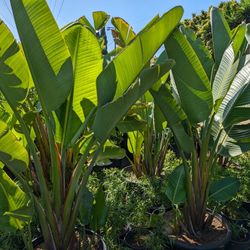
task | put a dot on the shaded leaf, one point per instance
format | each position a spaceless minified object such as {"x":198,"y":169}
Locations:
{"x":224,"y":189}
{"x":12,"y":152}
{"x":175,"y":189}
{"x":14,"y":73}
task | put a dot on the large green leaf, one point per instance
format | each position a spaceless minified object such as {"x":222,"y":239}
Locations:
{"x":123,"y":70}
{"x":84,"y":21}
{"x":100,"y":210}
{"x":236,"y":141}
{"x":190,"y":78}
{"x":221,"y":33}
{"x":87,"y":64}
{"x":45,"y":50}
{"x":224,"y":189}
{"x":12,"y":152}
{"x":86,"y":206}
{"x":225,"y":74}
{"x":12,"y":198}
{"x":14,"y":73}
{"x":239,"y":38}
{"x":109,"y":115}
{"x":135,"y":141}
{"x":175,"y":189}
{"x":110,"y":152}
{"x":233,"y":116}
{"x":200,"y":49}
{"x":174,"y":115}
{"x":100,"y":19}
{"x":235,"y":107}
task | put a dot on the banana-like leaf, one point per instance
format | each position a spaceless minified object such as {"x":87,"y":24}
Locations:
{"x":109,"y":115}
{"x":236,"y":141}
{"x":200,"y":50}
{"x":24,"y":214}
{"x":154,"y":20}
{"x":225,"y":74}
{"x":100,"y":19}
{"x":221,"y":33}
{"x":161,"y":59}
{"x":174,"y":115}
{"x":87,"y":62}
{"x":123,"y":34}
{"x":86,"y":206}
{"x":84,"y":21}
{"x":235,"y":107}
{"x":224,"y":189}
{"x":12,"y":198}
{"x":175,"y":190}
{"x":239,"y":38}
{"x":14,"y":73}
{"x":233,"y":116}
{"x":135,"y":141}
{"x":45,"y":50}
{"x":110,"y":152}
{"x":190,"y":78}
{"x":100,"y":210}
{"x":124,"y":69}
{"x":12,"y":152}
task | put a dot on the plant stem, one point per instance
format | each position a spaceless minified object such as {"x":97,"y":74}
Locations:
{"x":74,"y":184}
{"x":83,"y":183}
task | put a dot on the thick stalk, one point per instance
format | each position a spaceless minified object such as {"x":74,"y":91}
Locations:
{"x":55,"y":165}
{"x":46,"y":231}
{"x":74,"y":184}
{"x":70,"y":228}
{"x":66,"y":128}
{"x":195,"y":166}
{"x":43,"y":156}
{"x":189,"y":188}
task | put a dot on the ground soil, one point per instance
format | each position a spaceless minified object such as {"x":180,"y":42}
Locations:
{"x":137,"y":238}
{"x":90,"y":242}
{"x":215,"y":233}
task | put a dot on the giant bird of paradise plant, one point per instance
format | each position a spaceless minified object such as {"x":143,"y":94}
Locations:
{"x":80,"y":104}
{"x":208,"y":110}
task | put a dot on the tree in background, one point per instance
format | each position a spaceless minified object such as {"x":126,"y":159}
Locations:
{"x":235,"y":13}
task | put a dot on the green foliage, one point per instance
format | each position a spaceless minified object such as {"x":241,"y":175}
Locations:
{"x":239,"y":167}
{"x":175,"y":189}
{"x":12,"y":153}
{"x":235,"y":13}
{"x":224,"y":189}
{"x":13,"y":214}
{"x":12,"y":241}
{"x":209,"y":116}
{"x":130,"y":200}
{"x":79,"y":103}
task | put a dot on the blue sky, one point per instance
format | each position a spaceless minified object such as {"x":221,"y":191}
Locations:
{"x":136,"y":12}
